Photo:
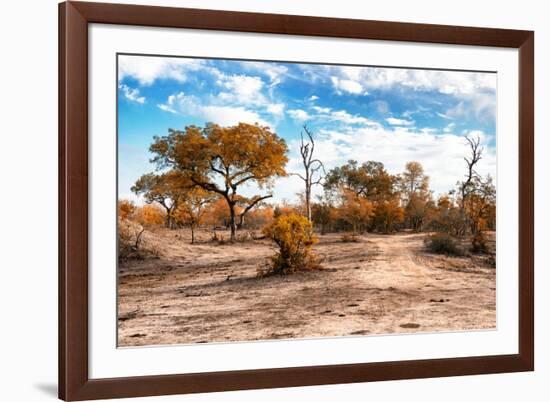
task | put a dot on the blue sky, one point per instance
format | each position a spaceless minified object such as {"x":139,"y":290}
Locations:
{"x":391,"y":115}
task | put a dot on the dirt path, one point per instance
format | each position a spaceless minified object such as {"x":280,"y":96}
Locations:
{"x":382,"y":284}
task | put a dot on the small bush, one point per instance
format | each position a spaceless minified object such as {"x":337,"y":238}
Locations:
{"x":219,"y":239}
{"x":293,"y":234}
{"x":126,"y":239}
{"x":244,"y":237}
{"x":479,"y":243}
{"x":350,"y":238}
{"x":443,"y":244}
{"x":131,"y":244}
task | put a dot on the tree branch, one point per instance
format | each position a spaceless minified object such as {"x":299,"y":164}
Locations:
{"x":318,"y":181}
{"x":254,"y":202}
{"x":297,"y":174}
{"x":209,"y":186}
{"x":215,"y":169}
{"x":320,"y":165}
{"x":245,"y":179}
{"x":250,"y":206}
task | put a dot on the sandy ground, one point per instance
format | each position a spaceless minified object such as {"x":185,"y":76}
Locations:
{"x":383,"y":284}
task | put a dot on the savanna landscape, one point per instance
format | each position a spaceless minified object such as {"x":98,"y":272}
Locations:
{"x":307,"y":225}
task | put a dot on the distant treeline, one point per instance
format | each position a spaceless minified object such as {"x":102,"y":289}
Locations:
{"x":200,"y":171}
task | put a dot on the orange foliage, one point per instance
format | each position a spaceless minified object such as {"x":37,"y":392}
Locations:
{"x":149,"y":216}
{"x":230,"y":155}
{"x":388,"y":215}
{"x":285,"y":209}
{"x":293,"y":234}
{"x":125,"y":209}
{"x":217,"y":213}
{"x":355,"y":210}
{"x":481,"y":213}
{"x":192,"y":208}
{"x":260,"y":216}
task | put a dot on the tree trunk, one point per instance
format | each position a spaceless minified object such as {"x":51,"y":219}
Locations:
{"x":308,"y":202}
{"x":463,"y":222}
{"x":168,"y":220}
{"x":192,"y":234}
{"x":232,"y":223}
{"x":241,"y":221}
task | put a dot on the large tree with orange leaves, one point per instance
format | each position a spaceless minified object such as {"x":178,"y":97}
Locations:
{"x":222,"y":159}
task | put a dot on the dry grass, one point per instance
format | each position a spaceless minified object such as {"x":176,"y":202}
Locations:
{"x":210,"y":292}
{"x":350,"y":238}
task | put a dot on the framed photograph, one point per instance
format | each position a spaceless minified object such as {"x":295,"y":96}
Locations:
{"x":260,"y":200}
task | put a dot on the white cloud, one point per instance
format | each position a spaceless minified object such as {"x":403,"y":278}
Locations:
{"x":349,"y":86}
{"x":382,"y":107}
{"x":313,"y":98}
{"x":242,"y":89}
{"x":449,"y":127}
{"x":166,"y":108}
{"x":275,"y":72}
{"x":341,"y":116}
{"x":447,"y":82}
{"x":276,"y":109}
{"x":440,"y":153}
{"x":223,"y":115}
{"x":323,"y":110}
{"x":399,"y":122}
{"x":313,"y":72}
{"x":236,"y":90}
{"x":175,"y":102}
{"x":146,"y":70}
{"x":131,"y":94}
{"x":476,"y":91}
{"x":299,"y":114}
{"x":245,"y":91}
{"x":481,"y":106}
{"x":444,"y":116}
{"x":229,"y":116}
{"x":326,"y":114}
{"x":345,"y":117}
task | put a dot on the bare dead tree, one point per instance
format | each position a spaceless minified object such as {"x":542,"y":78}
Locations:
{"x":469,"y":186}
{"x":312,"y":168}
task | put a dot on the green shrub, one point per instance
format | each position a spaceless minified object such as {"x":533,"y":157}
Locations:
{"x":441,"y":243}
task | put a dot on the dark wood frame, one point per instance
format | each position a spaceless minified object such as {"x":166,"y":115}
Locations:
{"x":74,"y":383}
